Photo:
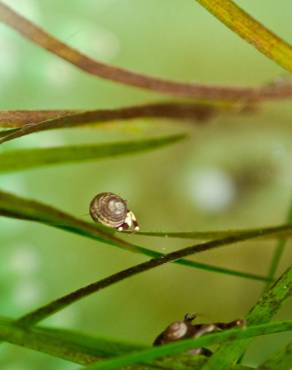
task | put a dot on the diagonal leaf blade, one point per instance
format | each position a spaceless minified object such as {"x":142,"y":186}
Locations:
{"x":19,"y":160}
{"x":251,"y":30}
{"x":25,"y":209}
{"x":84,"y":349}
{"x":279,"y":249}
{"x":179,"y":346}
{"x":262,"y":312}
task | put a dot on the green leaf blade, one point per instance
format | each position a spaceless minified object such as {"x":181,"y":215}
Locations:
{"x":25,"y":209}
{"x":19,"y":160}
{"x":251,"y":30}
{"x":262,"y":312}
{"x":281,"y":360}
{"x":180,"y":346}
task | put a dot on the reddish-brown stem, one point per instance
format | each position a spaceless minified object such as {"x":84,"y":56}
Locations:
{"x":179,"y":89}
{"x":191,"y":111}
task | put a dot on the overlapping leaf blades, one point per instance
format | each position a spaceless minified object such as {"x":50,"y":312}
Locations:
{"x":18,"y":207}
{"x":82,"y":349}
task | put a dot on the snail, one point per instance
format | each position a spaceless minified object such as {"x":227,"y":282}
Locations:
{"x":111,"y":210}
{"x":179,"y":330}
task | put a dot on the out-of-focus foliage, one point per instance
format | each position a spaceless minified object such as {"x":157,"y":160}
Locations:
{"x":233,"y":173}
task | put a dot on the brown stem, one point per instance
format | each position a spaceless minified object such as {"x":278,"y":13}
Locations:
{"x":199,"y":112}
{"x":179,"y":89}
{"x":180,"y":111}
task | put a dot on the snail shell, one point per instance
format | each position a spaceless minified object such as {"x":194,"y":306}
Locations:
{"x":111,"y":210}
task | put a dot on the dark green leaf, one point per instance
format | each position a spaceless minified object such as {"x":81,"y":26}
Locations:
{"x":263,"y":311}
{"x":180,"y":346}
{"x":84,"y":349}
{"x":279,"y":250}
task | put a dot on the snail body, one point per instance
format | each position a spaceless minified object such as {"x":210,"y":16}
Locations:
{"x":111,"y":210}
{"x":184,"y":329}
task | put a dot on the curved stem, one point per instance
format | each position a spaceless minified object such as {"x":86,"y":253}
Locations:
{"x":175,"y":110}
{"x":36,"y":121}
{"x":179,"y":89}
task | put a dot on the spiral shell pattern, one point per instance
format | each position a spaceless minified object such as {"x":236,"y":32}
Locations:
{"x":109,"y":209}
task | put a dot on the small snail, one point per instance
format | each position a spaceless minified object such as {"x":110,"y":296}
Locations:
{"x":179,"y":330}
{"x":111,"y":210}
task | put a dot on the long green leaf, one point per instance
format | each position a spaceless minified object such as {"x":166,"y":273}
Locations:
{"x":251,"y":30}
{"x":64,"y":301}
{"x":62,"y":344}
{"x":263,"y":311}
{"x":84,"y":349}
{"x":18,"y":160}
{"x":203,"y":341}
{"x":65,"y":344}
{"x":279,"y":250}
{"x":17,"y":207}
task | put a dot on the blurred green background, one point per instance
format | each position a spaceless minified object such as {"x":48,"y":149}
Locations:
{"x":233,"y":172}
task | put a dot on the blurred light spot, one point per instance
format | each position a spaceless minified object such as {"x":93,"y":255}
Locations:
{"x":87,"y":37}
{"x":27,"y":293}
{"x":10,"y":227}
{"x":64,"y":318}
{"x":24,"y":260}
{"x":91,"y":39}
{"x":9,"y":61}
{"x":58,"y":73}
{"x":100,"y":6}
{"x":42,"y":140}
{"x":51,"y":139}
{"x":13,"y":183}
{"x":212,"y":190}
{"x":279,"y":151}
{"x":106,"y":45}
{"x":27,"y":8}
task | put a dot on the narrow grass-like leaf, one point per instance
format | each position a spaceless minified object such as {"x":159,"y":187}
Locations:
{"x":206,"y":235}
{"x":84,"y":349}
{"x":263,"y":311}
{"x":203,"y":341}
{"x":17,"y":207}
{"x":281,"y":360}
{"x":180,"y":89}
{"x":60,"y":303}
{"x":23,"y":159}
{"x":279,"y":250}
{"x":62,"y":344}
{"x":251,"y":30}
